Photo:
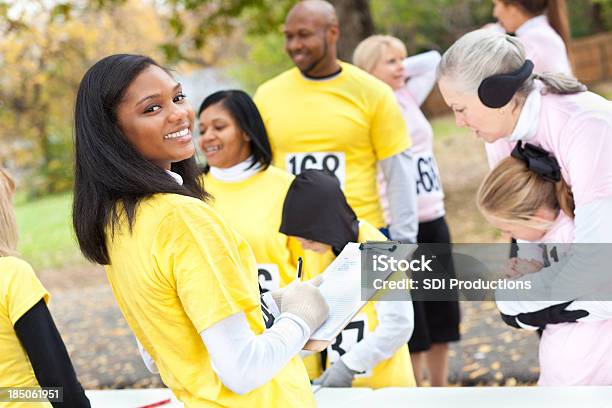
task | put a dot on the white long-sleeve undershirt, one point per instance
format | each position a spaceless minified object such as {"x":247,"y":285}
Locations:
{"x":398,"y":171}
{"x":242,"y":360}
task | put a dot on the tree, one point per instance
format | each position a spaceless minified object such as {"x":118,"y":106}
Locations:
{"x":198,"y":24}
{"x":45,"y":51}
{"x":356,"y":24}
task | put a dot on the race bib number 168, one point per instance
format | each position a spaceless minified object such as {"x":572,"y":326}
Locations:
{"x":334,"y":162}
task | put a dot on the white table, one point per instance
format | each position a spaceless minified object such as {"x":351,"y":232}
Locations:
{"x":455,"y":397}
{"x":339,"y":397}
{"x":488,"y":397}
{"x":131,"y":398}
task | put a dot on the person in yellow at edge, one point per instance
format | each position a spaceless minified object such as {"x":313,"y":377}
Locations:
{"x":371,"y":351}
{"x":239,"y":177}
{"x":32,"y":353}
{"x":328,"y":114}
{"x":184,"y":280}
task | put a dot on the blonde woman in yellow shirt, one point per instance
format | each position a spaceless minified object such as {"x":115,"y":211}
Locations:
{"x":239,"y":177}
{"x":185,"y":281}
{"x":32,"y":351}
{"x":371,"y":351}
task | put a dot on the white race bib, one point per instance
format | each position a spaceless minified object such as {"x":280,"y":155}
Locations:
{"x":334,"y":162}
{"x":352,"y":334}
{"x":427,"y":175}
{"x":269,"y":277}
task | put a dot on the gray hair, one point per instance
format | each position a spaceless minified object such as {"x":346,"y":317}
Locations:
{"x":482,"y":53}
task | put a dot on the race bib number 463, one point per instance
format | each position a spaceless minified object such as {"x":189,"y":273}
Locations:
{"x":428,"y":178}
{"x":334,"y":162}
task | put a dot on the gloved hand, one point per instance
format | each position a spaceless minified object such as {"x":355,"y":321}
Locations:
{"x":336,"y":375}
{"x":550,"y":315}
{"x":277,"y":294}
{"x":305,"y":301}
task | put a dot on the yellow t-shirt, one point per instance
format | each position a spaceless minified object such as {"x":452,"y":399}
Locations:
{"x":181,"y":270}
{"x":395,"y":371}
{"x":254,"y":208}
{"x":20,"y":290}
{"x":344,"y":124}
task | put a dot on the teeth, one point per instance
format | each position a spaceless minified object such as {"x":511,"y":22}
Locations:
{"x":212,"y":149}
{"x":180,"y":133}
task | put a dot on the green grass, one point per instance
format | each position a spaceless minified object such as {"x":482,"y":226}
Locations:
{"x":604,"y":89}
{"x":445,"y":127}
{"x":46,"y":238}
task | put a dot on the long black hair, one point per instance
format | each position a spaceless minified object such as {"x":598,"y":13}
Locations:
{"x":108,"y":168}
{"x":244,"y":112}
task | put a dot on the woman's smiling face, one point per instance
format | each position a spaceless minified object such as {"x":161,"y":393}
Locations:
{"x":156,"y":118}
{"x":221,"y":139}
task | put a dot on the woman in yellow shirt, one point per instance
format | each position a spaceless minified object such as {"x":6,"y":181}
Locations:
{"x":371,"y":351}
{"x":185,"y":281}
{"x":239,"y":175}
{"x":33,"y":353}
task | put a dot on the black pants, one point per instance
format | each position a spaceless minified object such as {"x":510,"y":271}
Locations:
{"x":435,"y":321}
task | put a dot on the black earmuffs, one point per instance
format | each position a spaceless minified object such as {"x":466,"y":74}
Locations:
{"x":497,"y":90}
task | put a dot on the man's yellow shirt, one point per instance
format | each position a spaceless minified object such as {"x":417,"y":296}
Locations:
{"x":343,"y":124}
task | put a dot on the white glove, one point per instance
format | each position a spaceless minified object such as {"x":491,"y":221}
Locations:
{"x":277,"y":294}
{"x":304,"y":300}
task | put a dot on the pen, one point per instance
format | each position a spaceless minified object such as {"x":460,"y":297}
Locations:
{"x":299,"y":268}
{"x":157,"y":404}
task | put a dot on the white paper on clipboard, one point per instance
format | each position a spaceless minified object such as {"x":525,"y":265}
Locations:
{"x":341,"y":289}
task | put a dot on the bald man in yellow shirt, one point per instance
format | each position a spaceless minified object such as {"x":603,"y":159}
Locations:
{"x":328,"y":114}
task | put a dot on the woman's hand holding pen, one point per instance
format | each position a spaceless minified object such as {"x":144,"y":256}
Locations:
{"x":304,"y":300}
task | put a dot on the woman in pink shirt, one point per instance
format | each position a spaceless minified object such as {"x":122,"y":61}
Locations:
{"x":412,"y":79}
{"x":542,"y":27}
{"x":525,"y":196}
{"x":489,"y":84}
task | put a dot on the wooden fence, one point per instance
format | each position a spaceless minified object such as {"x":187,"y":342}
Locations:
{"x":592,"y":59}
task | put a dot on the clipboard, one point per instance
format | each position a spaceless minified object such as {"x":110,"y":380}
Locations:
{"x":342,"y":290}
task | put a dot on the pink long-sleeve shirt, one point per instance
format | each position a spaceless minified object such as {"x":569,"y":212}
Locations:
{"x":421,"y":71}
{"x":544,"y":46}
{"x":577,"y":130}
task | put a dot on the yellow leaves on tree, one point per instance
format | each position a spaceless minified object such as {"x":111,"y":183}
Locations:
{"x":42,"y":63}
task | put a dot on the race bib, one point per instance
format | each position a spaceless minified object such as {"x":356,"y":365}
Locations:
{"x":334,"y":162}
{"x":269,"y":277}
{"x":427,"y":175}
{"x":352,"y":334}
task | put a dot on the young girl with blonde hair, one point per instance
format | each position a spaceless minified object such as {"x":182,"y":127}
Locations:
{"x":33,"y":353}
{"x":526,"y":197}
